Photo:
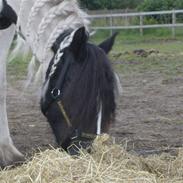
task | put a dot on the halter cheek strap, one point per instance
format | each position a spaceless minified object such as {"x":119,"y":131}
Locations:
{"x":56,"y":97}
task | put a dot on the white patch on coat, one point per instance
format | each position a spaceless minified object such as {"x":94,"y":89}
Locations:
{"x":1,"y":5}
{"x":99,"y":121}
{"x":8,"y":153}
{"x":6,"y":38}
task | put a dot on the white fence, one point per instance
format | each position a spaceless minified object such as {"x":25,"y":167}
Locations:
{"x":173,"y":25}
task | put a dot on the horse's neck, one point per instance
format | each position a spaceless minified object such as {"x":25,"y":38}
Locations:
{"x":42,"y":21}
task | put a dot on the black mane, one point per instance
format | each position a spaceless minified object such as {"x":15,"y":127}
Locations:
{"x":91,"y":83}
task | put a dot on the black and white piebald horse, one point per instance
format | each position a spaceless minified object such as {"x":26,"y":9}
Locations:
{"x":78,"y":92}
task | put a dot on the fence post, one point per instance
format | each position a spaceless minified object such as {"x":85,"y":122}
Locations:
{"x":111,"y":22}
{"x":173,"y":23}
{"x":141,"y":24}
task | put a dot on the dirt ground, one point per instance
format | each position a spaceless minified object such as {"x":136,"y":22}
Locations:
{"x":149,"y":118}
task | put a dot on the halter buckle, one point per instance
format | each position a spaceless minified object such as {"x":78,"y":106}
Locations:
{"x":55,"y":93}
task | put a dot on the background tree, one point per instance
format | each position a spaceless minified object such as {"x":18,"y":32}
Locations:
{"x":110,"y":4}
{"x":158,"y":5}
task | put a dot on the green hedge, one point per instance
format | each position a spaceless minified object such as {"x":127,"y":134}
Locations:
{"x":110,"y":4}
{"x":160,"y":5}
{"x":157,"y":5}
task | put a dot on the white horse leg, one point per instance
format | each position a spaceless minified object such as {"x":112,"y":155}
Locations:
{"x":8,"y":153}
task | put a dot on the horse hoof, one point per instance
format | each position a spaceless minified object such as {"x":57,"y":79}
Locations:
{"x":10,"y":156}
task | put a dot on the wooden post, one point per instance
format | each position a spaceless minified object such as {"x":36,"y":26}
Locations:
{"x":126,"y":18}
{"x":141,"y":24}
{"x":173,"y":23}
{"x":111,"y":22}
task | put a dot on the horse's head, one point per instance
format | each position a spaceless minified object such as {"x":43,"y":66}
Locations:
{"x":7,"y":15}
{"x":78,"y":96}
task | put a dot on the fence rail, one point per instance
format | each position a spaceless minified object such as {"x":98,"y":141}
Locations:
{"x":173,"y":25}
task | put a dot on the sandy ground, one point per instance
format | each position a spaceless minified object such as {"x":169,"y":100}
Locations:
{"x":150,"y":113}
{"x":149,"y":117}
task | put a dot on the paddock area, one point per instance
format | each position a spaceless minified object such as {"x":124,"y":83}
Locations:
{"x":149,"y":116}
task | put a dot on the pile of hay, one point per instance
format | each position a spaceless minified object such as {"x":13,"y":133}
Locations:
{"x":109,"y":163}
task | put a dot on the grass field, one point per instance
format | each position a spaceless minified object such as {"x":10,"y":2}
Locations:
{"x":127,"y":41}
{"x":168,"y":58}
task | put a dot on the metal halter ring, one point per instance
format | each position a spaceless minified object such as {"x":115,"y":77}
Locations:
{"x":55,"y":93}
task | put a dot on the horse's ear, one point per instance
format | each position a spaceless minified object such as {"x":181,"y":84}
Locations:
{"x":78,"y":45}
{"x":108,"y":44}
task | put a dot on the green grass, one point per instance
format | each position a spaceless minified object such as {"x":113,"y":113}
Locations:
{"x":164,"y":46}
{"x":18,"y":67}
{"x":169,"y":61}
{"x":131,"y":40}
{"x":134,"y":35}
{"x":166,"y":65}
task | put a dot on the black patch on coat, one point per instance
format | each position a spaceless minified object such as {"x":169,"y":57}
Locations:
{"x":7,"y":16}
